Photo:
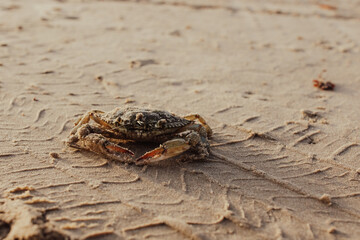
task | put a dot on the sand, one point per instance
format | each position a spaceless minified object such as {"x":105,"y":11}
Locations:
{"x":284,"y":160}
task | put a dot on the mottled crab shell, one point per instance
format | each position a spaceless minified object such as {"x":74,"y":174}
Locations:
{"x":149,"y":120}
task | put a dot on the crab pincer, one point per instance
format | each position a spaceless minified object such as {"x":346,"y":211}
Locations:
{"x":166,"y":150}
{"x":113,"y":148}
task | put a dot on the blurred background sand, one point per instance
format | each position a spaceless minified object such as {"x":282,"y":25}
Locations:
{"x":285,"y":155}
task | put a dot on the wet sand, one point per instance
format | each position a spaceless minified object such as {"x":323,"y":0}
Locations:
{"x":284,"y":160}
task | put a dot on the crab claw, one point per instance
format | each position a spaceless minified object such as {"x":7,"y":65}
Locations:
{"x":167,"y":150}
{"x":113,"y":148}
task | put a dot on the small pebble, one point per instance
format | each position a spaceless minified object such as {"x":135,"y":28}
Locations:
{"x":128,"y":100}
{"x":325,"y":198}
{"x":99,"y":78}
{"x":332,"y":230}
{"x":54,"y":155}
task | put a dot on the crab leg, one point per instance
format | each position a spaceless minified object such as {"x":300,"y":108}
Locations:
{"x":85,"y":119}
{"x":193,"y":117}
{"x":166,"y":150}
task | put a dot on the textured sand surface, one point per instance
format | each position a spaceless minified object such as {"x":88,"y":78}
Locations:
{"x":285,"y":160}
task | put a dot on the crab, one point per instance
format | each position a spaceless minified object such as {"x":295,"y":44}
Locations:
{"x":186,"y":136}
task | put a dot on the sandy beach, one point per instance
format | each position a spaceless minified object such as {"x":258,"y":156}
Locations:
{"x":285,"y":155}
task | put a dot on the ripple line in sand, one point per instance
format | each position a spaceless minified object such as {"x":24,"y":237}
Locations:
{"x":343,"y":149}
{"x":306,"y":137}
{"x":137,"y":178}
{"x":98,"y":234}
{"x":178,"y":225}
{"x":310,"y":173}
{"x":39,"y":115}
{"x":12,"y":128}
{"x":355,"y":194}
{"x":226,"y":109}
{"x":12,"y":154}
{"x":91,"y":166}
{"x":63,"y":126}
{"x":34,"y":140}
{"x":161,"y":203}
{"x":31,"y":169}
{"x":89,"y":204}
{"x":61,"y":185}
{"x":83,"y":219}
{"x":228,"y":142}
